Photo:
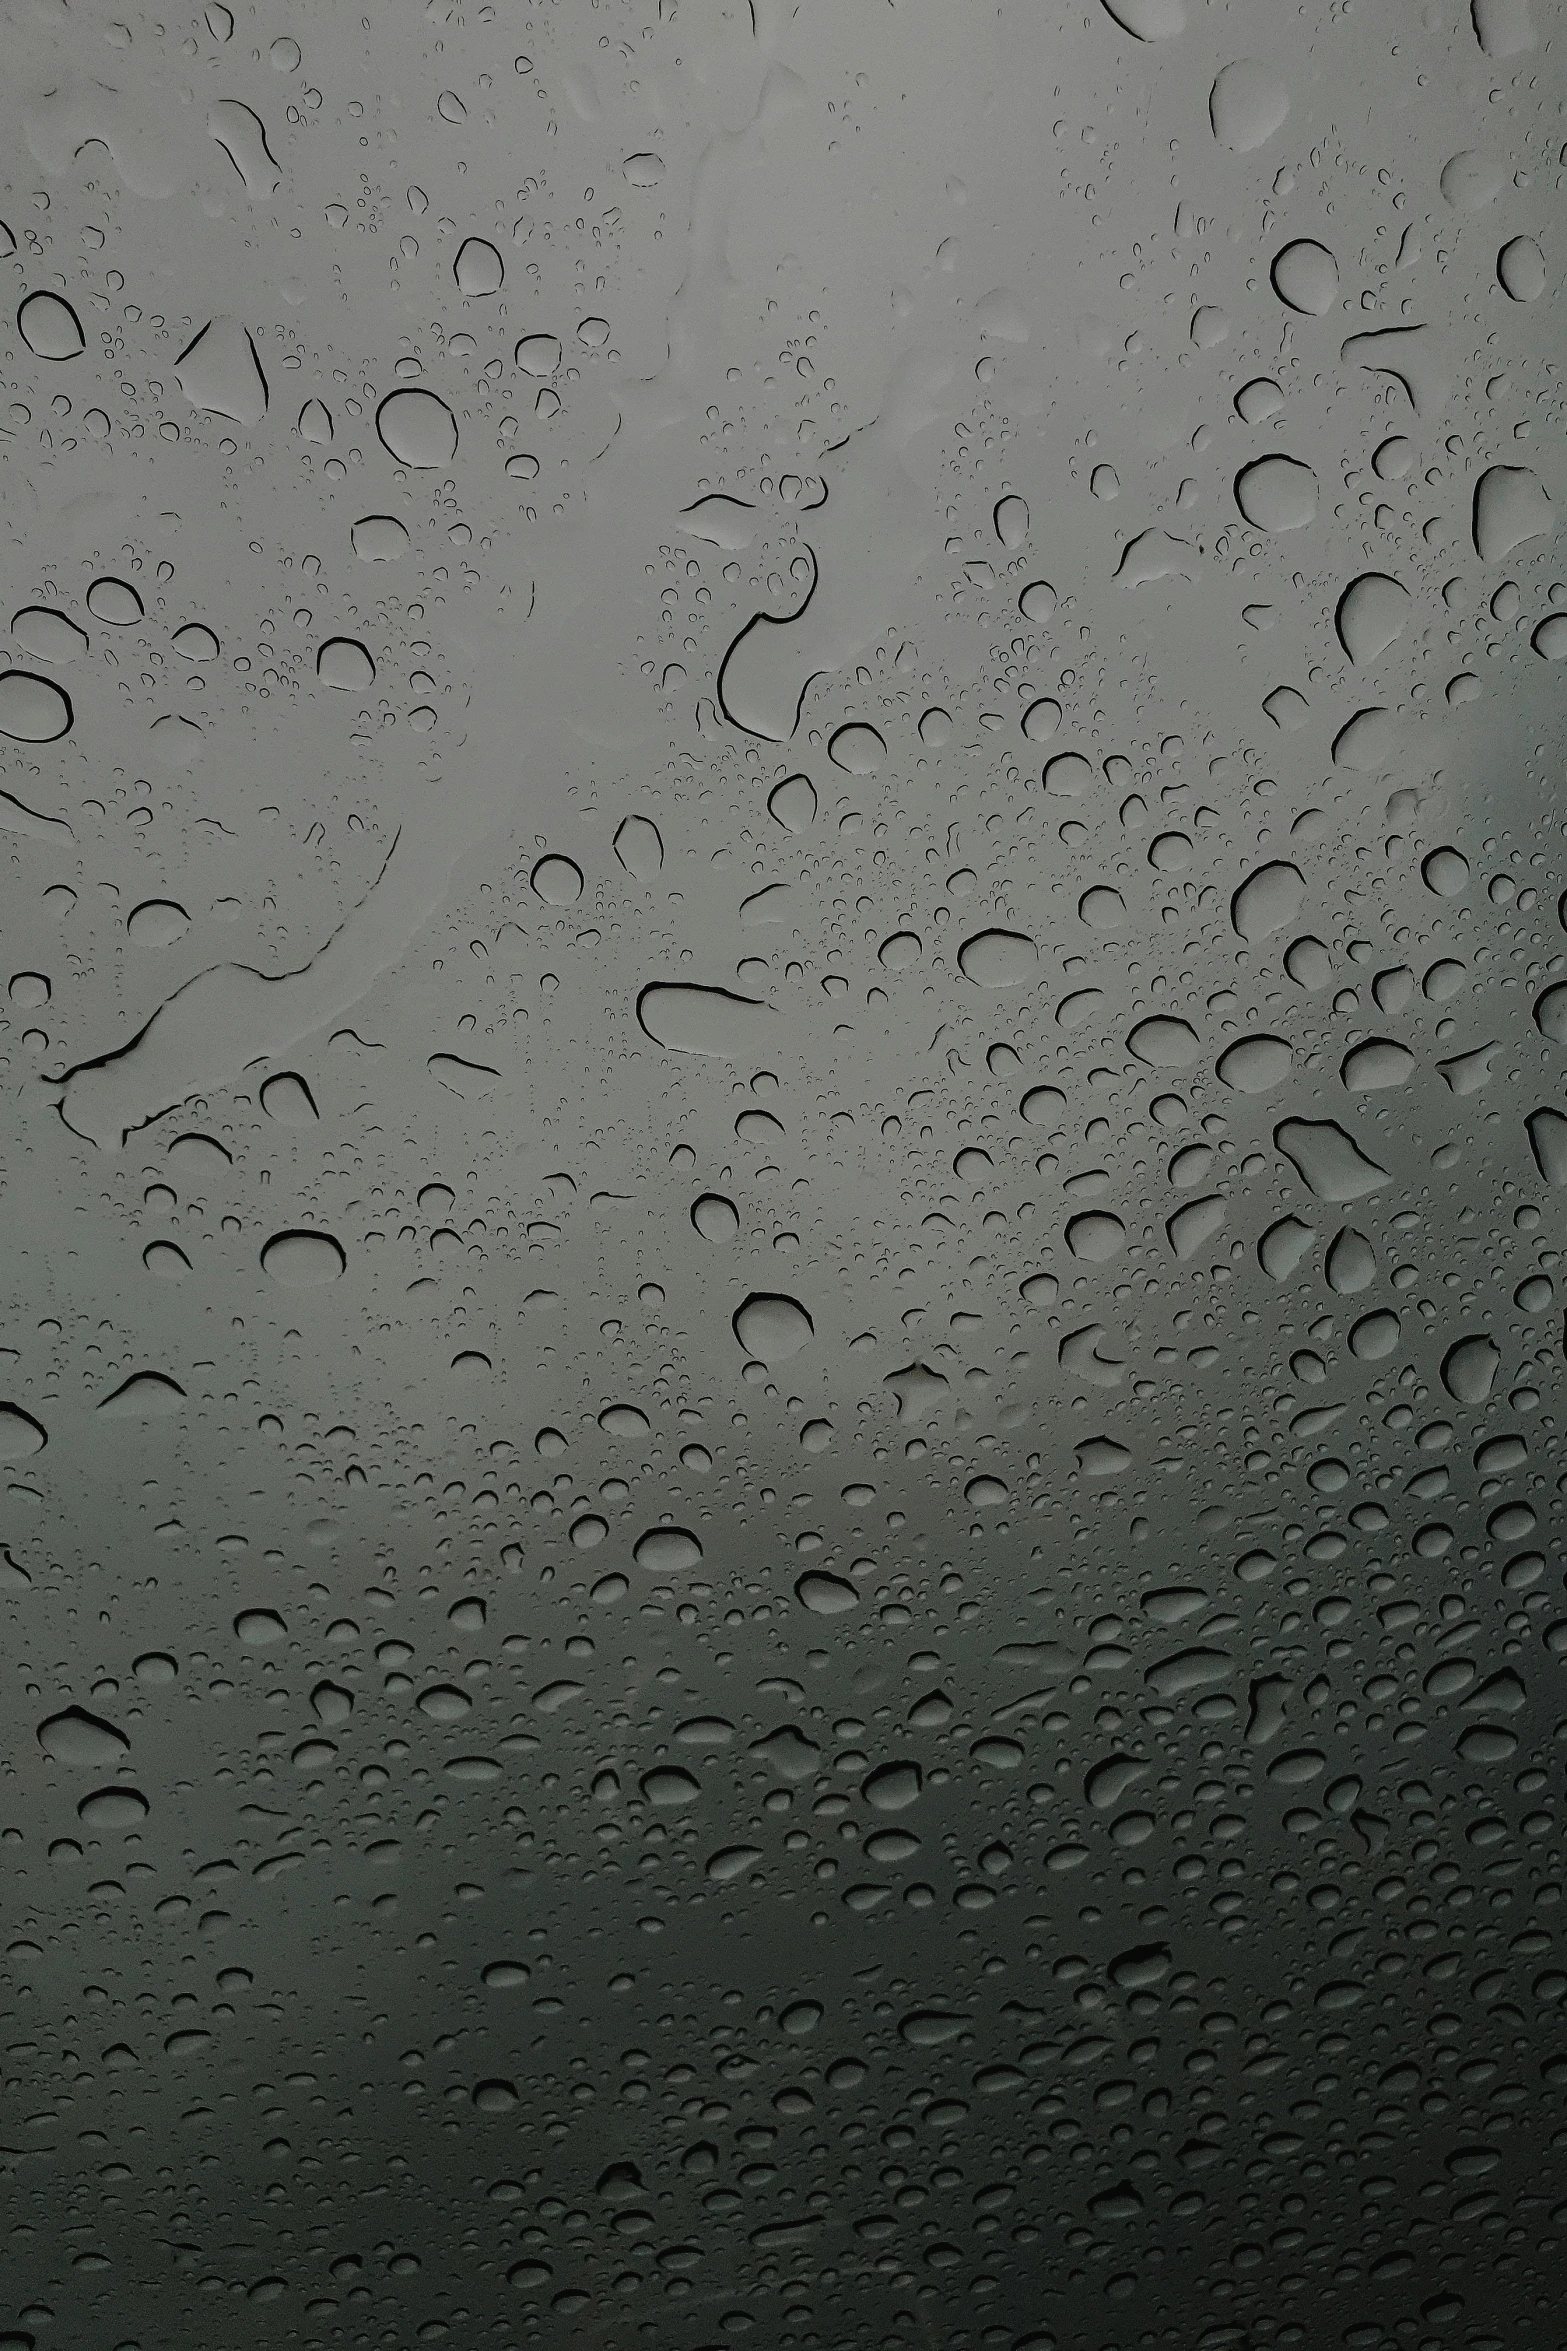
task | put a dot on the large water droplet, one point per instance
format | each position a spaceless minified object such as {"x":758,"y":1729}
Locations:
{"x":416,"y":427}
{"x":1277,"y":493}
{"x":83,"y":1740}
{"x":686,"y":1018}
{"x":478,"y":269}
{"x":998,"y":959}
{"x":772,"y":1327}
{"x":218,"y":371}
{"x":50,"y":327}
{"x":33,"y":709}
{"x":1511,"y":506}
{"x":303,"y":1260}
{"x":1247,"y":104}
{"x":1329,"y":1162}
{"x":1305,"y":276}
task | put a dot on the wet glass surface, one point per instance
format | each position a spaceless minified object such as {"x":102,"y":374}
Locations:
{"x":784,"y":1162}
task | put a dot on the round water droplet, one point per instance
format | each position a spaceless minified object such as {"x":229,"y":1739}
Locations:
{"x":1097,"y":1236}
{"x":998,"y":959}
{"x":1247,"y":104}
{"x":478,"y":269}
{"x":379,"y":538}
{"x":1305,"y":276}
{"x":667,"y":1550}
{"x":1520,"y":267}
{"x":1277,"y":493}
{"x":114,"y":602}
{"x":50,"y":327}
{"x":1446,"y":872}
{"x":793,"y":803}
{"x":824,"y":1594}
{"x":557,"y":880}
{"x":1041,"y":719}
{"x":1011,"y":521}
{"x":1267,"y":901}
{"x":1256,"y":1064}
{"x":857,"y":748}
{"x":416,"y":427}
{"x":538,"y":355}
{"x":1164,"y":1042}
{"x":345,"y":664}
{"x":33,"y":709}
{"x":772,"y":1327}
{"x":303,"y":1260}
{"x":715,"y":1218}
{"x":1037,"y":602}
{"x":157,"y":922}
{"x":289,"y":1100}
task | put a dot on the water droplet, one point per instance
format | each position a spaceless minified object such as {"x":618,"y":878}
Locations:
{"x":1247,"y":104}
{"x":1011,"y":521}
{"x":303,"y":1260}
{"x":33,"y":709}
{"x":416,"y":427}
{"x":289,"y":1100}
{"x":538,"y":355}
{"x":1305,"y":276}
{"x":114,"y":602}
{"x":1037,"y":602}
{"x":50,"y":327}
{"x":1511,"y":506}
{"x":857,"y":748}
{"x":1267,"y":901}
{"x":83,"y":1740}
{"x":379,"y":538}
{"x":892,"y":1787}
{"x":345,"y":664}
{"x":667,"y":1551}
{"x":156,"y":922}
{"x":689,"y":1019}
{"x":1547,"y":1132}
{"x":1283,"y":1246}
{"x":1149,"y":20}
{"x":1256,"y":1064}
{"x":20,"y":1434}
{"x":1097,"y":1236}
{"x":824,"y":1594}
{"x":1164,"y":1042}
{"x":557,"y":880}
{"x":1351,"y":1264}
{"x":146,"y":1395}
{"x":1277,"y":493}
{"x":1446,"y":872}
{"x":1469,"y":1367}
{"x":218,"y":371}
{"x":1329,"y":1163}
{"x":998,"y":959}
{"x":772,"y":1327}
{"x":1372,"y":614}
{"x":1377,"y":1063}
{"x":1520,"y":269}
{"x":478,"y":269}
{"x":639,"y":845}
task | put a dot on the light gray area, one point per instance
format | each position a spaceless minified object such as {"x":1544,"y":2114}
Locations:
{"x":784,"y":1169}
